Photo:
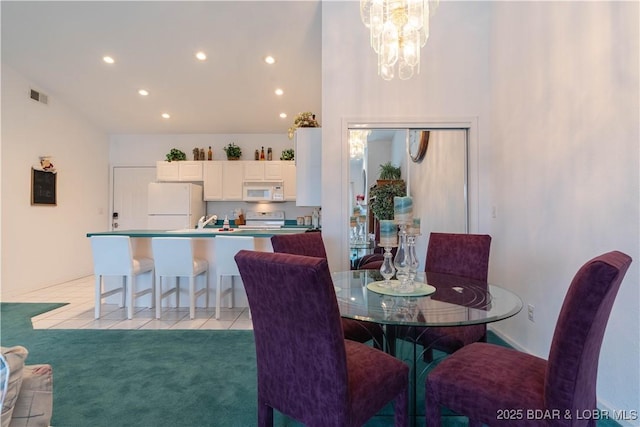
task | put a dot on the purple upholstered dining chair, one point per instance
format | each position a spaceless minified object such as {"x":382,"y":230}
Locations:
{"x":306,"y":369}
{"x":465,"y":255}
{"x":311,"y":244}
{"x":483,"y":381}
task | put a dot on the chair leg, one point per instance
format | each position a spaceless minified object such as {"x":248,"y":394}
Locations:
{"x":177,"y":285}
{"x":124,"y":286}
{"x":158,"y":296}
{"x":218,"y":294}
{"x":98,"y":295}
{"x":231,"y":293}
{"x":131,"y":290}
{"x":432,"y":410}
{"x":265,"y":414}
{"x":192,"y":297}
{"x":152,"y":278}
{"x":205,"y":284}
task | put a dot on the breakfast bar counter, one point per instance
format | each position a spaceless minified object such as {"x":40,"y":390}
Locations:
{"x":204,"y":247}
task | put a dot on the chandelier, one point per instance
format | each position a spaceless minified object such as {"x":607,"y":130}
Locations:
{"x":357,"y":142}
{"x":398,"y":29}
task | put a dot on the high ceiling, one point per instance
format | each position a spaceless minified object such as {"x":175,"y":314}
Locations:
{"x":59,"y":47}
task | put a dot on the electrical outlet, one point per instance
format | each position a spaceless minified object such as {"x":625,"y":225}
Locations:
{"x":530,"y":309}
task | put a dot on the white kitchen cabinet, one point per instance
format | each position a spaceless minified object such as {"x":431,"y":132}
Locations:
{"x":232,"y":179}
{"x":288,"y":169}
{"x":212,"y":180}
{"x":263,"y":170}
{"x":253,"y":171}
{"x":308,"y":155}
{"x":273,"y":171}
{"x":183,"y":170}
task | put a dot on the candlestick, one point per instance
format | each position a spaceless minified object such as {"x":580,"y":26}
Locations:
{"x":388,"y":233}
{"x":403,"y":209}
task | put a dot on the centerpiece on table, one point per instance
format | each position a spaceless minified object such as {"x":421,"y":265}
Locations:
{"x":303,"y":120}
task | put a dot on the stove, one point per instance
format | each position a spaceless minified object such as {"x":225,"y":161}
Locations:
{"x":263,"y":220}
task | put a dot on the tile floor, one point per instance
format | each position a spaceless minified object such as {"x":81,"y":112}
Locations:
{"x":79,"y":313}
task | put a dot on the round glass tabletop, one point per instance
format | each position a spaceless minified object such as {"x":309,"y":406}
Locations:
{"x":456,"y":301}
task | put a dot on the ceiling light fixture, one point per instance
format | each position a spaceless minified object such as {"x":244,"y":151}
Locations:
{"x":283,"y":115}
{"x":357,"y":142}
{"x":270,"y":60}
{"x":166,"y":116}
{"x":143,"y":92}
{"x":108,"y":59}
{"x":201,"y":56}
{"x":398,"y":29}
{"x":279,"y":92}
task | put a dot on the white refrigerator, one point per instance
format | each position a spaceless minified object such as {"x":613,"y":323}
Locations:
{"x":174,"y":205}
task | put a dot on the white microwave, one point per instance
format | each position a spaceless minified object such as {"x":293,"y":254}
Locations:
{"x":263,"y":191}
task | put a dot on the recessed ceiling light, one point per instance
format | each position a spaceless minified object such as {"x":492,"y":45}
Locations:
{"x":279,"y":92}
{"x":165,"y":115}
{"x":108,"y":59}
{"x":283,"y":115}
{"x":270,"y":60}
{"x":143,"y":92}
{"x":201,"y":56}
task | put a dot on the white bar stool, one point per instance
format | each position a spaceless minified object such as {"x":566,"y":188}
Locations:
{"x":113,"y":256}
{"x":174,"y":257}
{"x":226,"y":247}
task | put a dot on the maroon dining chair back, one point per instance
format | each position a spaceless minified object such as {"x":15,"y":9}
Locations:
{"x":485,"y":381}
{"x":570,"y":380}
{"x":459,"y":254}
{"x":306,"y":369}
{"x":311,"y":244}
{"x":465,"y":255}
{"x":308,"y":244}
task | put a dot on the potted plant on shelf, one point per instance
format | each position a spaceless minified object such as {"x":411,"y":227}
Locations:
{"x":176,"y":155}
{"x":287,"y":154}
{"x":303,"y":120}
{"x":389,"y":172}
{"x":233,"y":151}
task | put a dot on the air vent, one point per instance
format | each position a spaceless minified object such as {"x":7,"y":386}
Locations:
{"x":39,"y":97}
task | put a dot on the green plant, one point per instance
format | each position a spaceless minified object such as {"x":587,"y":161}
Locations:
{"x":303,"y":120}
{"x":287,"y":154}
{"x":389,"y":171}
{"x":175,"y":155}
{"x":381,"y":198}
{"x":233,"y":151}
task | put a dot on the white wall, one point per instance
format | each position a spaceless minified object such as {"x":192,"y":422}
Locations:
{"x":45,"y":245}
{"x":554,"y":87}
{"x":564,"y":146}
{"x":452,"y":84}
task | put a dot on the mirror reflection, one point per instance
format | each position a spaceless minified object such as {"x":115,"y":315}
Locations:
{"x":437,"y":182}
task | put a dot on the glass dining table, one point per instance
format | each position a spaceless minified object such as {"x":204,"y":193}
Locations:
{"x":438,"y":300}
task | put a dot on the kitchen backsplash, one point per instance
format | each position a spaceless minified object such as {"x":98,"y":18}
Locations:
{"x":228,"y":208}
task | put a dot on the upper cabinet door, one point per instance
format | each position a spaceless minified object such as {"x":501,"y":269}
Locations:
{"x":212,"y":180}
{"x":308,"y":149}
{"x":273,"y":171}
{"x":253,"y":171}
{"x":184,"y":170}
{"x":167,"y":171}
{"x":190,"y":170}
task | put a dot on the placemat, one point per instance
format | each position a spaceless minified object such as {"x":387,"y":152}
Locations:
{"x":421,"y":290}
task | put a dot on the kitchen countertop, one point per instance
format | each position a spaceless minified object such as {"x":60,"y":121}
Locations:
{"x":207,"y":232}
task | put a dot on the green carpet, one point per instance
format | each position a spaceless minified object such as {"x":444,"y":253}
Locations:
{"x":150,"y":378}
